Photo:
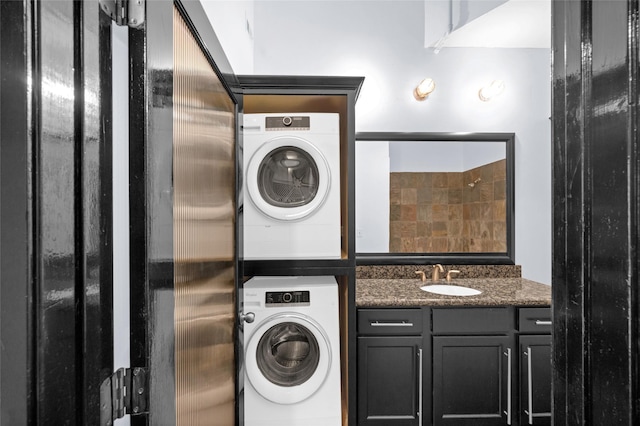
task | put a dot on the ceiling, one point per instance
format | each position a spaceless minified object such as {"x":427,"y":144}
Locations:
{"x":512,"y":24}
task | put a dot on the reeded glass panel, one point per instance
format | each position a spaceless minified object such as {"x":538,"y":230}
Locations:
{"x":204,"y":245}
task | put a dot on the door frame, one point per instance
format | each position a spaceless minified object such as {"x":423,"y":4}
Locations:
{"x":596,"y":186}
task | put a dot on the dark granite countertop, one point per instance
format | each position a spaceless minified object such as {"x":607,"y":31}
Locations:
{"x":495,"y":292}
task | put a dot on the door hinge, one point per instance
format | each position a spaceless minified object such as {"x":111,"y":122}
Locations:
{"x":124,"y":392}
{"x":125,"y":12}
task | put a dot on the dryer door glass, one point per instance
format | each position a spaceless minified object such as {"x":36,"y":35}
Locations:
{"x":288,"y":354}
{"x":288,"y":177}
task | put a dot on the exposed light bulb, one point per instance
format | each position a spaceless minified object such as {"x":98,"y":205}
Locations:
{"x":422,"y":90}
{"x":495,"y":88}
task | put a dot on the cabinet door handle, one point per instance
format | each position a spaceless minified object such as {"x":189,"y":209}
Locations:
{"x":543,"y":322}
{"x":529,"y":385}
{"x":508,"y":412}
{"x":391,"y":324}
{"x":420,"y":385}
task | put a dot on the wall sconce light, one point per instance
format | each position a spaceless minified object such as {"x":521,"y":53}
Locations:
{"x":422,"y":90}
{"x":492,"y":90}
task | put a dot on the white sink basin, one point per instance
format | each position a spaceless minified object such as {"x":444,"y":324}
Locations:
{"x":450,"y":290}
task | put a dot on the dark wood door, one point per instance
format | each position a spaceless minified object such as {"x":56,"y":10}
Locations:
{"x":389,"y":380}
{"x":596,"y":223}
{"x":183,"y":214}
{"x":56,"y":271}
{"x":472,"y":380}
{"x":535,"y":380}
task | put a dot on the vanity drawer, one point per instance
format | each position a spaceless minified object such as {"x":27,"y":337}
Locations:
{"x":534,"y":320}
{"x":389,"y":321}
{"x":473,"y":320}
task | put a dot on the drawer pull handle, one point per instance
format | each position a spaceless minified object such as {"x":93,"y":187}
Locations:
{"x":508,"y":412}
{"x":391,"y":324}
{"x":529,"y":385}
{"x":420,"y":386}
{"x":543,"y":322}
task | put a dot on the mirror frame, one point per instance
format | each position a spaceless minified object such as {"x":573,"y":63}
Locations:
{"x":481,"y":258}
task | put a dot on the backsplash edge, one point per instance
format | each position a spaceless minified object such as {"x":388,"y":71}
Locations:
{"x":409,"y":271}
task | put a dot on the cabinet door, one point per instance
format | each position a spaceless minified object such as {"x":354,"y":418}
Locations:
{"x":535,"y":380}
{"x":390,"y":380}
{"x":472,"y":377}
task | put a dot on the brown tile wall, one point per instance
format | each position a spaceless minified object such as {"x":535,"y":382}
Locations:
{"x":441,"y":213}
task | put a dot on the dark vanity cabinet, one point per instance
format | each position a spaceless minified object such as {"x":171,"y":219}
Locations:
{"x":534,"y":328}
{"x":473,"y":366}
{"x":391,"y":367}
{"x":462,"y":366}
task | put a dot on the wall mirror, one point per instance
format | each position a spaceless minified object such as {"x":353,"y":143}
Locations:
{"x":434,"y":198}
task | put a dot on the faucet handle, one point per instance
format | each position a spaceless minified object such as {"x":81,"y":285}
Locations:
{"x":452,"y":271}
{"x":423,"y":277}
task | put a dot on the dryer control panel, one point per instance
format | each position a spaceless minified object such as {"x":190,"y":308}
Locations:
{"x":294,"y":298}
{"x":288,"y":122}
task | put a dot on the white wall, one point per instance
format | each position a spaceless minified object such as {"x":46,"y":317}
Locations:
{"x":383,"y":41}
{"x":120,"y":123}
{"x":426,"y":157}
{"x":232,"y":21}
{"x":434,"y":157}
{"x":372,"y":196}
{"x":479,"y":153}
{"x":443,"y":16}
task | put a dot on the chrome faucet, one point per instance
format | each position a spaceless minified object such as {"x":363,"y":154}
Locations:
{"x":435,"y":272}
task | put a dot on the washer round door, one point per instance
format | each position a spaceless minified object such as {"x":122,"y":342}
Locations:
{"x":288,"y":358}
{"x":288,"y":178}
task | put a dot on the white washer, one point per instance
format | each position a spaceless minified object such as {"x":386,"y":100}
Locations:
{"x":292,"y":352}
{"x":291,"y":191}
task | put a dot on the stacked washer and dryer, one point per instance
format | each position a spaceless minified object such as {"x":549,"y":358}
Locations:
{"x":291,"y":205}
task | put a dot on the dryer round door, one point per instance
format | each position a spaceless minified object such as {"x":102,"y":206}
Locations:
{"x":288,"y":358}
{"x":288,"y":178}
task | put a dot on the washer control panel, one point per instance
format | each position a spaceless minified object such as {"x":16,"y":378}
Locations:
{"x":292,"y":298}
{"x":288,"y":122}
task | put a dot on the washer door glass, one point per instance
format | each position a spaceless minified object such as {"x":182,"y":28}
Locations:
{"x":287,"y":178}
{"x":288,"y":354}
{"x":287,"y":357}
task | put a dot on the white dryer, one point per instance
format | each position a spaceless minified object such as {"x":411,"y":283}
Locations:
{"x":291,"y":187}
{"x":292,"y":352}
